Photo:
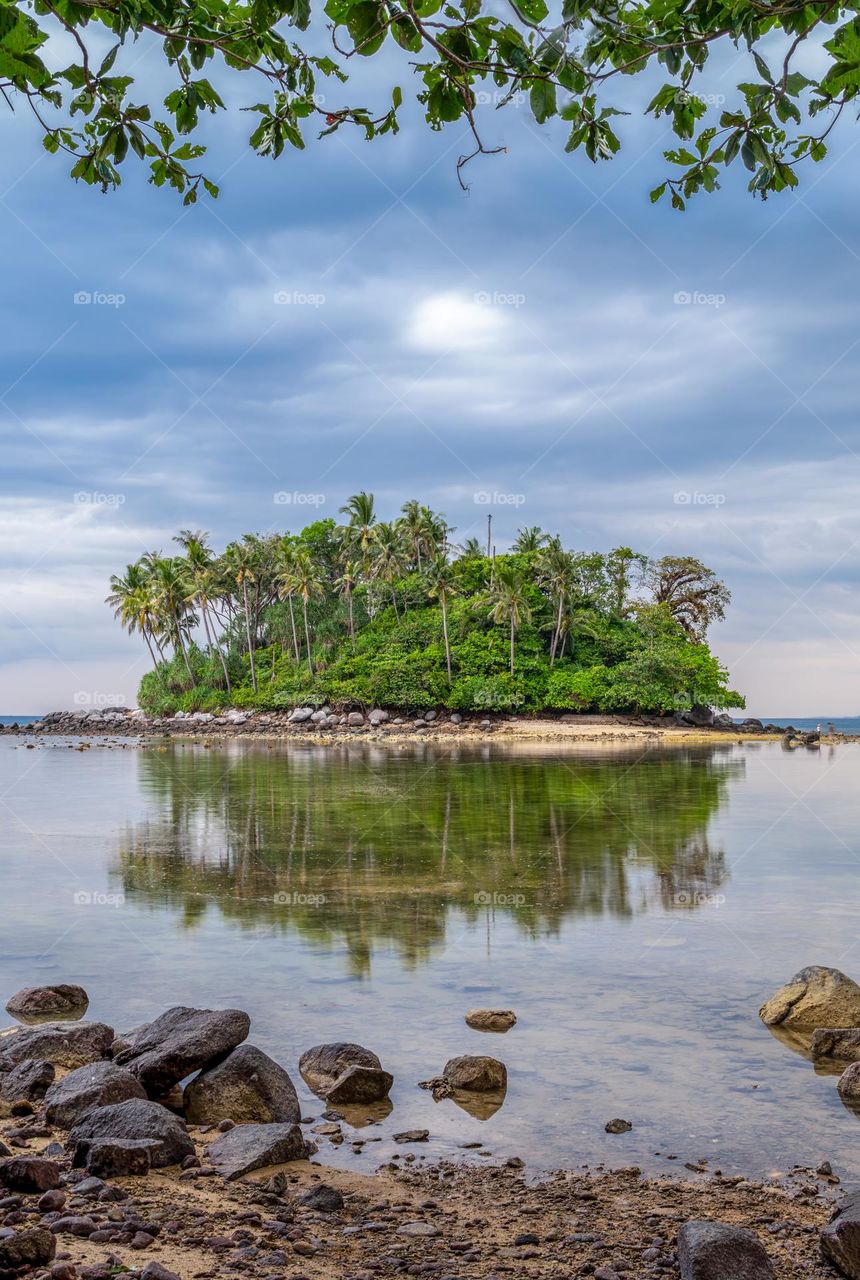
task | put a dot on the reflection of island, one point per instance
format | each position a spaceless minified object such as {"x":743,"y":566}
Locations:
{"x":365,"y":847}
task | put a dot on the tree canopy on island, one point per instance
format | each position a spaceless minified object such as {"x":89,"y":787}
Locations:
{"x":466,"y":57}
{"x":392,"y":613}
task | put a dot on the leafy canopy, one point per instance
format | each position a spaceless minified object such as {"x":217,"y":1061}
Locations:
{"x":466,"y":56}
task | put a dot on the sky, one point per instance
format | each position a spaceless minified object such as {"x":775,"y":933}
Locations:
{"x":547,"y":347}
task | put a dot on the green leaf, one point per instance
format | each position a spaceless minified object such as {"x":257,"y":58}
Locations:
{"x":542,"y":100}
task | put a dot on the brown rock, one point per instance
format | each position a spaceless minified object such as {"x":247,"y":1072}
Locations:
{"x":476,"y":1073}
{"x":491,"y":1019}
{"x":41,"y":1003}
{"x":815,"y":997}
{"x":29,"y":1173}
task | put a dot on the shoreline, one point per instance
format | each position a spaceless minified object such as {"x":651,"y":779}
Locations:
{"x":442,"y":729}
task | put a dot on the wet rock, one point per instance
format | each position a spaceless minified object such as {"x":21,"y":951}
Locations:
{"x":155,"y":1271}
{"x":412,"y":1135}
{"x":815,"y":997}
{"x":839,"y":1043}
{"x":121,"y":1157}
{"x":256,"y":1146}
{"x":840,"y":1239}
{"x":618,"y":1126}
{"x":491,"y":1019}
{"x":716,"y":1251}
{"x":37,"y":1003}
{"x":29,"y":1173}
{"x":323,"y":1198}
{"x":137,"y":1119}
{"x":180,"y":1041}
{"x":34,"y":1247}
{"x":248,"y":1087}
{"x":849,"y":1083}
{"x":476,"y":1073}
{"x":27,"y":1082}
{"x":342,"y":1073}
{"x":98,"y":1084}
{"x":65,"y":1044}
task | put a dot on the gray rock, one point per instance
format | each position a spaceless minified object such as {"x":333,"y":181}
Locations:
{"x":34,"y":1247}
{"x":355,"y":718}
{"x":120,"y":1158}
{"x":839,"y":1043}
{"x":247,"y":1087}
{"x":138,"y":1118}
{"x":430,"y":716}
{"x":476,"y":1073}
{"x":849,"y":1083}
{"x":65,"y":1044}
{"x":27,"y":1081}
{"x":716,"y":1251}
{"x":181,"y":1041}
{"x":840,"y":1239}
{"x":256,"y":1146}
{"x":345,"y":1072}
{"x":378,"y":716}
{"x":300,"y":715}
{"x":322,"y":1198}
{"x":63,"y":1000}
{"x":99,"y":1084}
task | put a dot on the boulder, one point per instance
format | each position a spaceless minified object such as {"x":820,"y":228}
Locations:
{"x":849,"y":1083}
{"x":29,"y":1174}
{"x":815,"y":997}
{"x":476,"y":1073}
{"x":27,"y":1081}
{"x":121,"y":1157}
{"x":100,"y":1084}
{"x":491,"y":1019}
{"x":181,"y":1041}
{"x":36,"y":1003}
{"x":140,"y":1119}
{"x":300,"y":715}
{"x":717,"y":1251}
{"x":247,"y":1087}
{"x":355,"y":718}
{"x":34,"y":1247}
{"x":839,"y":1043}
{"x":345,"y":1072}
{"x":840,"y":1239}
{"x":65,"y":1044}
{"x":378,"y":716}
{"x":322,"y":1198}
{"x":256,"y":1146}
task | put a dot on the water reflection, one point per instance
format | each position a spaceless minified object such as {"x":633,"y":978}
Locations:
{"x":365,"y":848}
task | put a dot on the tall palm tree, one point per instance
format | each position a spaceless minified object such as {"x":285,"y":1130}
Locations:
{"x":361,"y":519}
{"x":555,"y":573}
{"x":507,"y":600}
{"x":241,"y":558}
{"x":349,"y":577}
{"x":412,"y":523}
{"x":284,"y":560}
{"x":133,"y":604}
{"x":532,"y":538}
{"x":471,"y":549}
{"x":204,"y":585}
{"x":171,"y":595}
{"x":387,"y":563}
{"x":304,"y":578}
{"x":442,"y":582}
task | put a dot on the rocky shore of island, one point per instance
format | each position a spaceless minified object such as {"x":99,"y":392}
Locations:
{"x":178,"y":1150}
{"x":324,"y":723}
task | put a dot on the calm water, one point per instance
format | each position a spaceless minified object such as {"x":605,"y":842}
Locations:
{"x":634,"y":909}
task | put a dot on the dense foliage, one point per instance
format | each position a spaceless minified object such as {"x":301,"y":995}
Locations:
{"x":391,"y":614}
{"x":468,"y":58}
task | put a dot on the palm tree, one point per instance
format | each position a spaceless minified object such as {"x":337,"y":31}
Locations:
{"x":241,"y":558}
{"x":507,"y":600}
{"x":413,"y":525}
{"x":555,"y":572}
{"x":133,"y":604}
{"x":304,"y":578}
{"x":471,"y":549}
{"x":359,"y":529}
{"x":387,"y":563}
{"x":204,"y":585}
{"x":284,"y":561}
{"x":346,"y":584}
{"x":529,"y":539}
{"x":170,"y":592}
{"x":443,"y":584}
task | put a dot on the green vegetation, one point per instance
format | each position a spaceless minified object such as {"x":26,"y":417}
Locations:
{"x":468,"y":58}
{"x":392,"y":614}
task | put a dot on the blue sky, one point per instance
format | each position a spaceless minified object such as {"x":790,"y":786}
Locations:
{"x":549,"y":347}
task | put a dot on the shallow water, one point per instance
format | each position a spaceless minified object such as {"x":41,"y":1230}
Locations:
{"x":633,"y":907}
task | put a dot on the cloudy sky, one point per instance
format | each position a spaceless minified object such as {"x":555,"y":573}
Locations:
{"x":548,"y":347}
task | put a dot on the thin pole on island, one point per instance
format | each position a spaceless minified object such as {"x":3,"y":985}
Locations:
{"x":489,"y":531}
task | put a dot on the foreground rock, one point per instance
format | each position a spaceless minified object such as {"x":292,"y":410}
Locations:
{"x":842,"y":1044}
{"x":815,"y":997}
{"x":345,"y":1073}
{"x":65,"y":1044}
{"x":248,"y":1087}
{"x":840,"y":1239}
{"x":491,"y":1019}
{"x":100,"y":1084}
{"x":136,"y":1120}
{"x":849,"y":1083}
{"x":256,"y":1146}
{"x":29,"y":1174}
{"x":181,"y":1041}
{"x":476,"y":1073}
{"x":31,"y":1248}
{"x":26,"y":1082}
{"x":63,"y":1000}
{"x":716,"y":1251}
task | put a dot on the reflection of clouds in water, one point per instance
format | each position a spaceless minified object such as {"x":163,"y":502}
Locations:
{"x":358,"y":846}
